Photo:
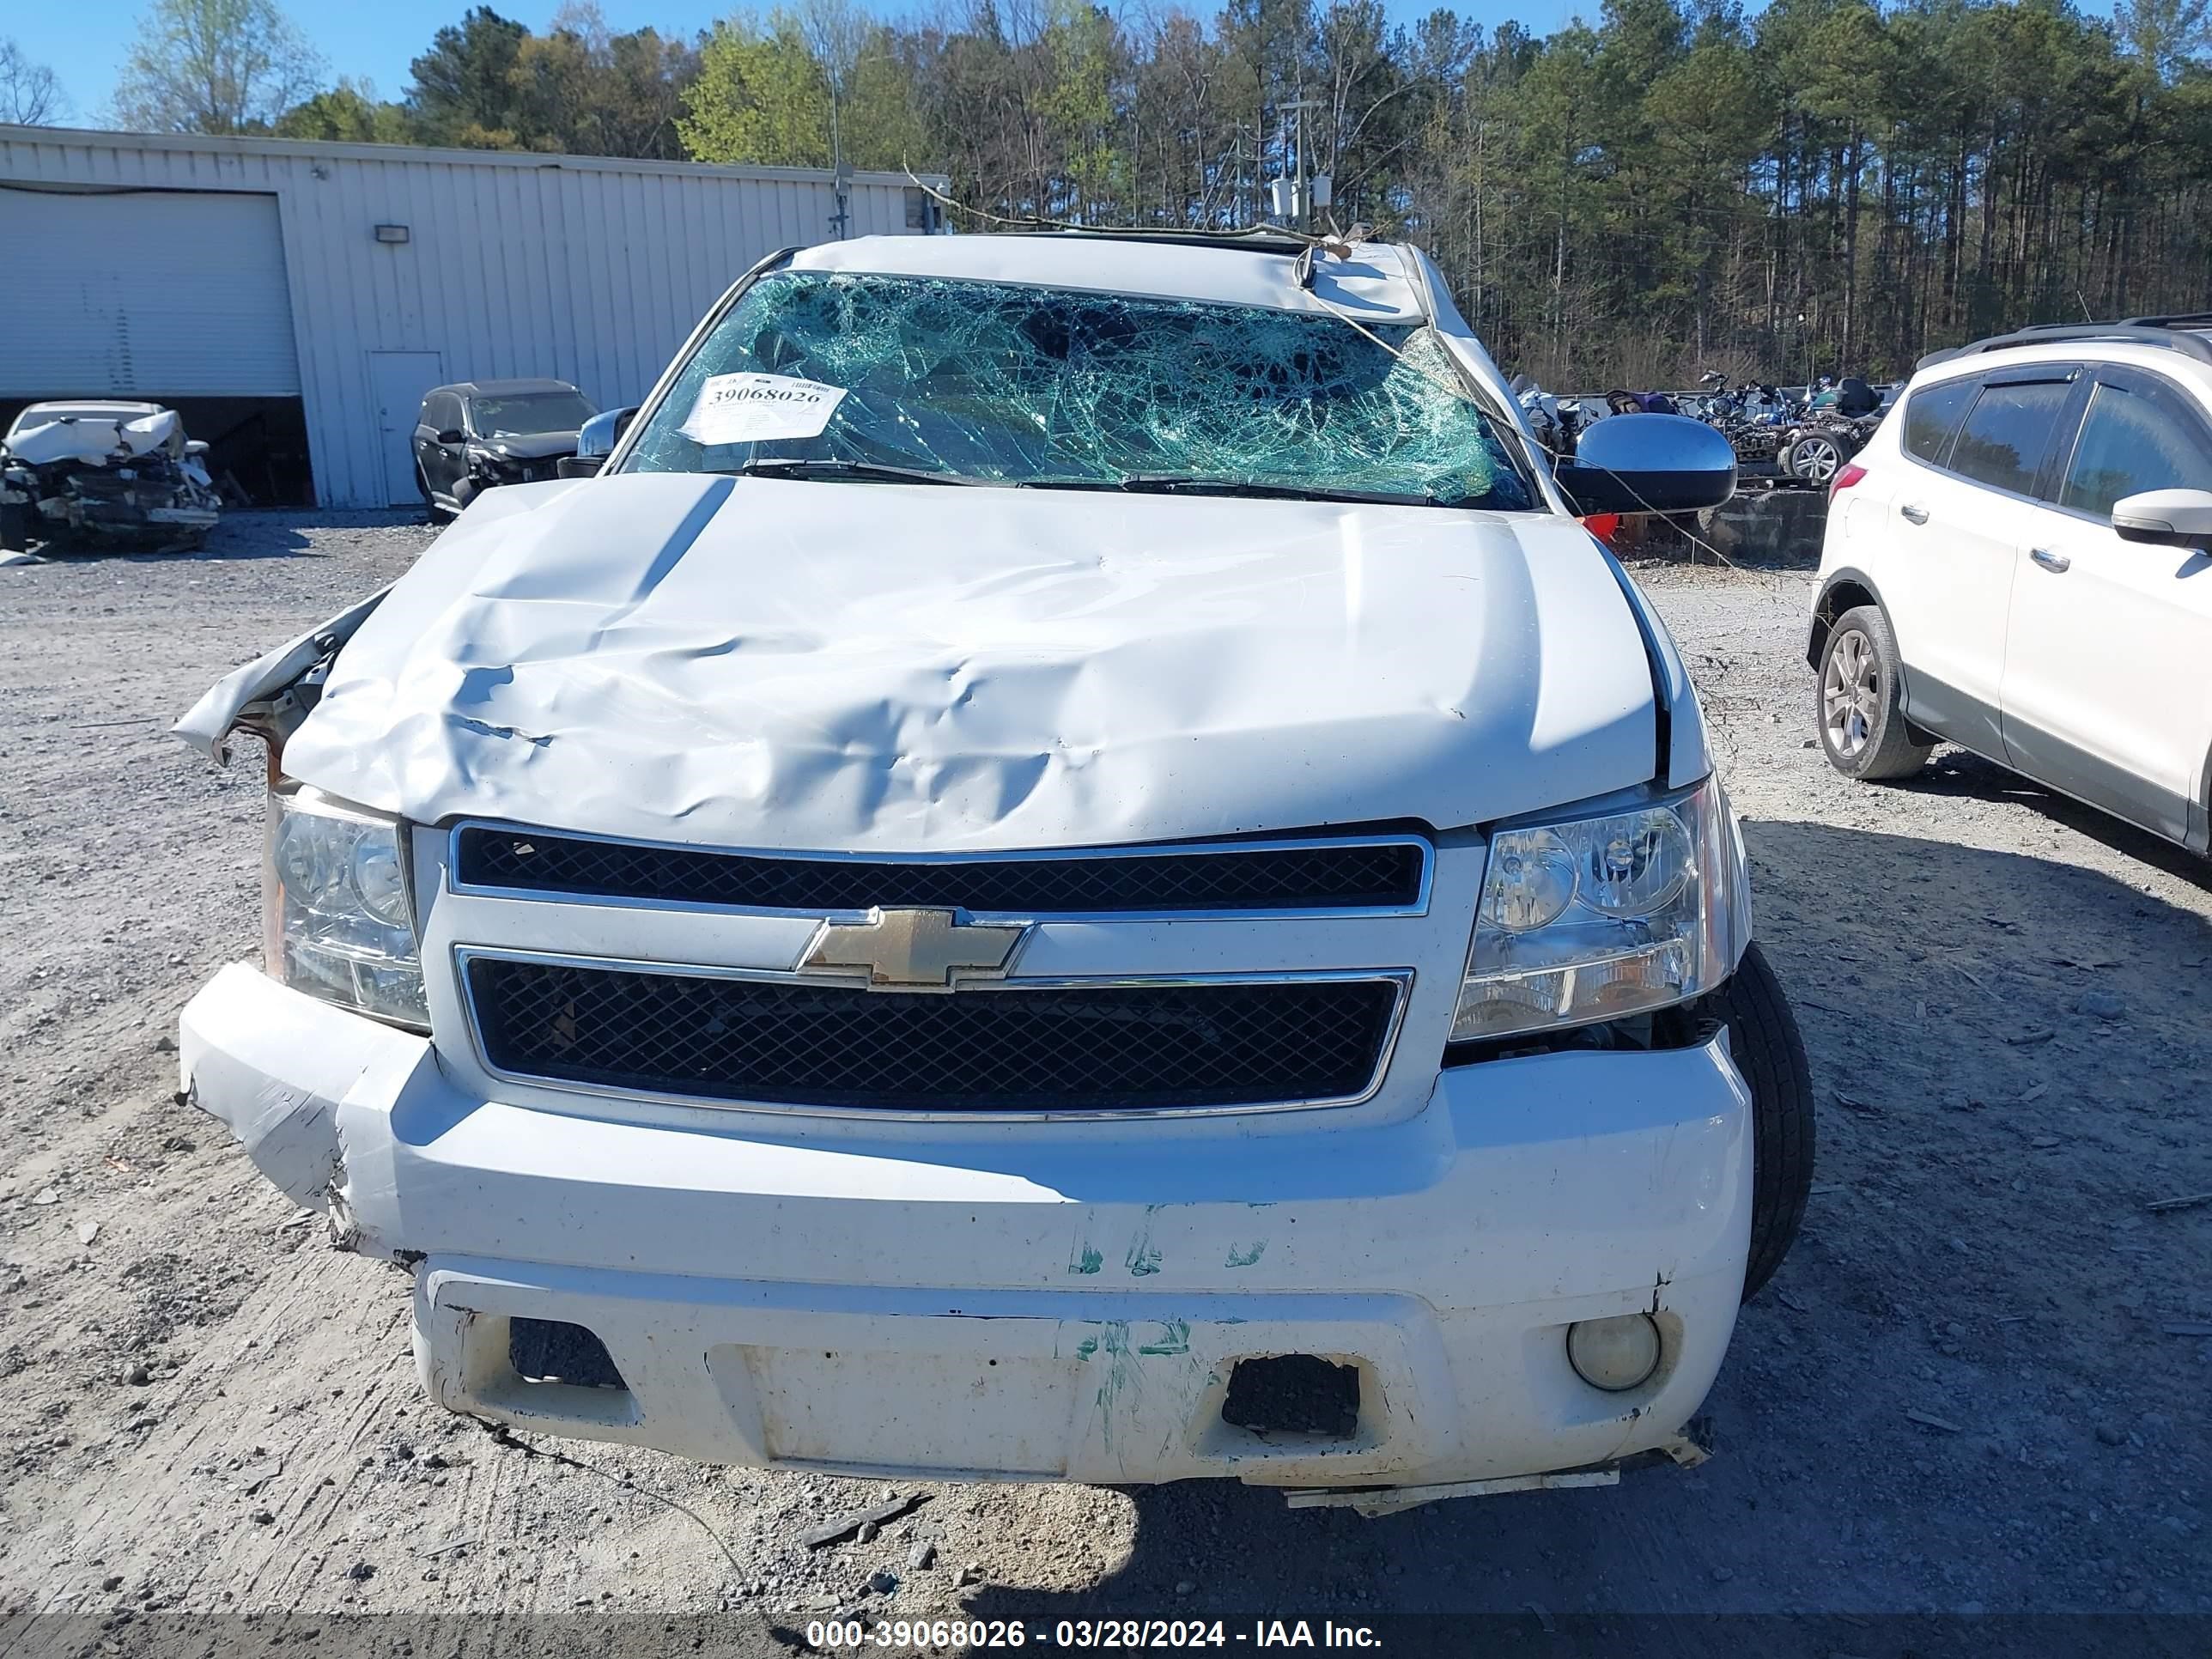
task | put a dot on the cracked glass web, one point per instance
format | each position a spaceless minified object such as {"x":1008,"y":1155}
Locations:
{"x":1026,"y":385}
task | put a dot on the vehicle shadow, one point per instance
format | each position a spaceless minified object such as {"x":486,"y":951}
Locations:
{"x":1919,"y":1415}
{"x":243,"y":534}
{"x":1960,"y":773}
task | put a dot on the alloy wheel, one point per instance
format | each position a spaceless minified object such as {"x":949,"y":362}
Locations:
{"x":1850,"y":695}
{"x":1819,"y":460}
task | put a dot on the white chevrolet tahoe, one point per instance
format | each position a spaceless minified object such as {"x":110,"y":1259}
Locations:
{"x":1067,"y":865}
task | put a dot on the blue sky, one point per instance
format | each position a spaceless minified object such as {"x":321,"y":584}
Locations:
{"x":377,"y":40}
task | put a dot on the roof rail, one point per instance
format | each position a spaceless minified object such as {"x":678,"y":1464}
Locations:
{"x":1260,"y":239}
{"x":2173,"y":333}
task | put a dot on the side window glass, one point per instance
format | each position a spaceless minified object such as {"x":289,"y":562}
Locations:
{"x":1931,"y":417}
{"x":2129,"y":444}
{"x":2007,"y":432}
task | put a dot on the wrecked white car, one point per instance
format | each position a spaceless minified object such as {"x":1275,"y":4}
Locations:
{"x":1067,"y":866}
{"x":106,"y":474}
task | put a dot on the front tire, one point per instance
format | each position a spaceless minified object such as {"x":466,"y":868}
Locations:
{"x":1769,"y":1056}
{"x":16,"y":520}
{"x":431,"y":510}
{"x":1857,"y":701}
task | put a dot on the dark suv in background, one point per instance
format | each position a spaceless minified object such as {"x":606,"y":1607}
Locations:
{"x":478,"y":434}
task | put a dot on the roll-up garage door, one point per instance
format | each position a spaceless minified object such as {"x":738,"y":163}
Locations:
{"x":167,"y":293}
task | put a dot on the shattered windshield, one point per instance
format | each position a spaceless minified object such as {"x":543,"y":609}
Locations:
{"x":833,"y":374}
{"x":529,"y":414}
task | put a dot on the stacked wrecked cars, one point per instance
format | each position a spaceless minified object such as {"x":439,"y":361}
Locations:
{"x":1066,"y":865}
{"x":104,"y":474}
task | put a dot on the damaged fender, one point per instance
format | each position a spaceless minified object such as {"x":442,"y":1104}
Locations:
{"x":256,"y":696}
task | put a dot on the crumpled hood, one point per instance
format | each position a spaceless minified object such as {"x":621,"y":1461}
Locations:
{"x":90,"y":440}
{"x":781,"y":664}
{"x":531,"y":445}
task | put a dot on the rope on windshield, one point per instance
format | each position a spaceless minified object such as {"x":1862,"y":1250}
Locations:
{"x":1467,"y":395}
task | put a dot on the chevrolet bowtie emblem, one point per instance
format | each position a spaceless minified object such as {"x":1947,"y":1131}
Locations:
{"x":914,"y":949}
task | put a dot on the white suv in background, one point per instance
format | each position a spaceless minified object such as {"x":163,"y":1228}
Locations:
{"x":2020,"y":562}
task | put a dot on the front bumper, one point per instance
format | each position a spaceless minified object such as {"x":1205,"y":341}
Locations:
{"x":1014,"y":1307}
{"x":100,"y":516}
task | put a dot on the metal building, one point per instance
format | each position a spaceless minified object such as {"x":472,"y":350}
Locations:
{"x":296,"y":300}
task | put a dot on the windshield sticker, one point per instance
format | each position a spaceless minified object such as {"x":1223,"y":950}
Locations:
{"x":743,"y":409}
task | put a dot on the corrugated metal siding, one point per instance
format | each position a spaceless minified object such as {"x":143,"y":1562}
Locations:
{"x":156,"y":290}
{"x":589,"y":270}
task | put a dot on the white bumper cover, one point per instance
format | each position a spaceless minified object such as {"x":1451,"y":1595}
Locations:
{"x":1017,"y":1306}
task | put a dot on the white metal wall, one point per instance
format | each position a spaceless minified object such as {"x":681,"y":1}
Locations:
{"x":590,"y":269}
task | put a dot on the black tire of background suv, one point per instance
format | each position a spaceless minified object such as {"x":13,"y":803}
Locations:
{"x":1895,"y":748}
{"x":16,"y":519}
{"x":1770,"y":1053}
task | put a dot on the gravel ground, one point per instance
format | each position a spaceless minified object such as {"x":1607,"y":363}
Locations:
{"x":1965,"y":1390}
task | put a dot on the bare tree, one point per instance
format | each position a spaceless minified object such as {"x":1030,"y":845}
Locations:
{"x":29,"y":95}
{"x":215,"y":66}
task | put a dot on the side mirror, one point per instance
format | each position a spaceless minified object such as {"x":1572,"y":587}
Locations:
{"x":595,"y":441}
{"x":1648,"y":463}
{"x":2165,"y":518}
{"x":452,"y":435}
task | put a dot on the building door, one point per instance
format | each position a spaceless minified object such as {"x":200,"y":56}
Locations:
{"x":397,"y":381}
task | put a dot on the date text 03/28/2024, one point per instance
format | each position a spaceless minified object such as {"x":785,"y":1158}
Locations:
{"x":832,"y":1634}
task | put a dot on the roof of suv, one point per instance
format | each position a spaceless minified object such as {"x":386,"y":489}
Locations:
{"x":1381,"y":282}
{"x":2188,"y":332}
{"x":502,"y":388}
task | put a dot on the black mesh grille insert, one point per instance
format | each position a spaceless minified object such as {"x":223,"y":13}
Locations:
{"x":1111,"y":1048}
{"x":1313,"y":876}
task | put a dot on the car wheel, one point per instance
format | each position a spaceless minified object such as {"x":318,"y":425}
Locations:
{"x":1769,"y":1056}
{"x":431,"y":510}
{"x":16,"y":520}
{"x":1816,"y":458}
{"x":1863,"y":728}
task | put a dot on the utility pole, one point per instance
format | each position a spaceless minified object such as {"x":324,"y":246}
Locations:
{"x":840,"y":176}
{"x":1301,"y":204}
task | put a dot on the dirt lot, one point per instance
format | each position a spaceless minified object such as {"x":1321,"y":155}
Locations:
{"x":1965,"y":1391}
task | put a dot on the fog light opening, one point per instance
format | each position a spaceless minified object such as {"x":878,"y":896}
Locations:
{"x":1293,"y":1393}
{"x":1614,"y":1354}
{"x":552,"y":1350}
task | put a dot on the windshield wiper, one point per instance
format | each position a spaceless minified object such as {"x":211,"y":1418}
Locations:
{"x":1172,"y":484}
{"x":801,"y":466}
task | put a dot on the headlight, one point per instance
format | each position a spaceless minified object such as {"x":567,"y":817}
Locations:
{"x":1603,"y":916}
{"x":337,"y":917}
